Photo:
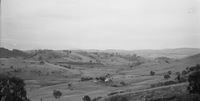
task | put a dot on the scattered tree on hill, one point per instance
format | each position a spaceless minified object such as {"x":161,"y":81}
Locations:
{"x":166,"y":76}
{"x":57,"y":94}
{"x":11,"y":67}
{"x":86,"y":98}
{"x":12,"y":89}
{"x":194,"y":82}
{"x":152,"y":73}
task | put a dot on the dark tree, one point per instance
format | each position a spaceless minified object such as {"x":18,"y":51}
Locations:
{"x":152,"y":73}
{"x":194,"y":82}
{"x":86,"y":98}
{"x":12,"y":89}
{"x":123,"y":83}
{"x":57,"y":94}
{"x":178,"y":77}
{"x":40,"y":58}
{"x":166,"y":76}
{"x":184,"y":72}
{"x":169,"y":72}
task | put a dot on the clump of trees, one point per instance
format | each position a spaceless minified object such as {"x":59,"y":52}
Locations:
{"x":194,"y":81}
{"x":12,"y":89}
{"x":5,"y":53}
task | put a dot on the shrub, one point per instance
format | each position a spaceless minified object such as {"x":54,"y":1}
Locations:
{"x":166,"y":76}
{"x":12,"y":89}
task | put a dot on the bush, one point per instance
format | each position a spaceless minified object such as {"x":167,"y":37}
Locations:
{"x":57,"y":94}
{"x":169,"y":72}
{"x":42,"y":62}
{"x":178,"y":77}
{"x":166,"y":76}
{"x":12,"y":89}
{"x":118,"y":98}
{"x":86,"y":78}
{"x":169,"y":83}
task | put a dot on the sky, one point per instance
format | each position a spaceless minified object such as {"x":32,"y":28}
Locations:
{"x":100,"y":24}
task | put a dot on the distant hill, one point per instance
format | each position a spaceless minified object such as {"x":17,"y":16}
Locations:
{"x":103,"y":57}
{"x":170,"y":53}
{"x":5,"y":53}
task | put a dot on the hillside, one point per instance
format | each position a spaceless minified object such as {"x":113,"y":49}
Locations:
{"x":48,"y":70}
{"x":5,"y":53}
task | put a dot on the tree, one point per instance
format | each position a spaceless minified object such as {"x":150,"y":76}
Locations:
{"x":57,"y":94}
{"x":166,"y":76}
{"x":178,"y":77}
{"x":12,"y":89}
{"x":123,"y":83}
{"x":194,"y":82}
{"x":169,"y":72}
{"x":86,"y":98}
{"x":152,"y":73}
{"x":40,"y":58}
{"x":184,"y":72}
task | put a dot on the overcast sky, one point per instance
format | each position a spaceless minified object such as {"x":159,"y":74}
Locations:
{"x":100,"y":24}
